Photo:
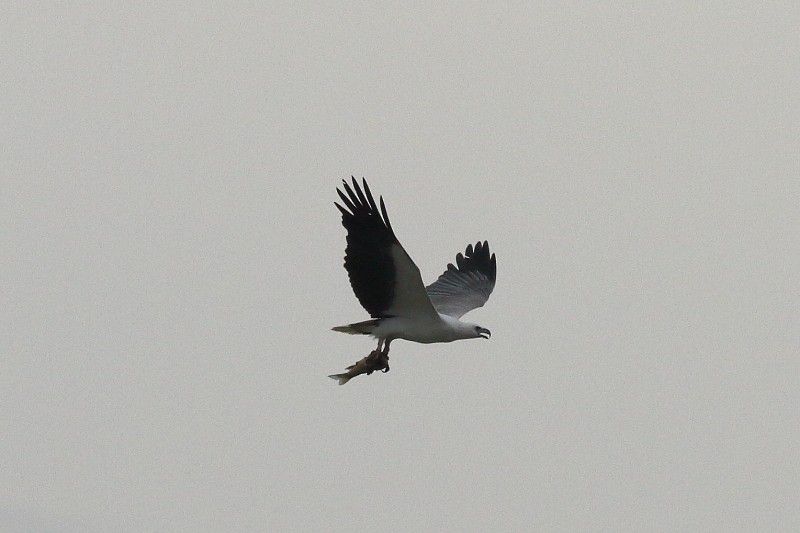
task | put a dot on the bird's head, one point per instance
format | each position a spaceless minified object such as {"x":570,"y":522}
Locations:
{"x":465,"y":330}
{"x":481,"y":332}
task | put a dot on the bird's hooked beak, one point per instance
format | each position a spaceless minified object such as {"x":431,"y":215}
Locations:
{"x":484,"y":333}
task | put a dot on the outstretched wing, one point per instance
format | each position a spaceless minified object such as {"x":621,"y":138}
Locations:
{"x":384,"y":278}
{"x":466,"y":287}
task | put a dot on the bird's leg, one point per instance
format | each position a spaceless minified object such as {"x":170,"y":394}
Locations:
{"x":384,"y":357}
{"x":378,"y":359}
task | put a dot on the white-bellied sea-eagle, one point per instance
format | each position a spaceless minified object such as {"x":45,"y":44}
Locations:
{"x":388,"y":284}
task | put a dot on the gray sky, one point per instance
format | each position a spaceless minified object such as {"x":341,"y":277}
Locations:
{"x":172,"y":264}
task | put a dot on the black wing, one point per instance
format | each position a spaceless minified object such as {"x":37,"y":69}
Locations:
{"x":384,"y":278}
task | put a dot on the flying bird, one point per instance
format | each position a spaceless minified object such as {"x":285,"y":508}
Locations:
{"x":388,"y":284}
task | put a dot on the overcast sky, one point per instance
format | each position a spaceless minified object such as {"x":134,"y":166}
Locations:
{"x":171,"y":266}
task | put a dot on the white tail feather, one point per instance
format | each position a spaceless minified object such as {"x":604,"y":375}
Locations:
{"x":346,"y":329}
{"x":359,"y":328}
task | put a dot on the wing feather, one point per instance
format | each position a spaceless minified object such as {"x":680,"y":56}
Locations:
{"x":465,"y":287}
{"x":384,"y":278}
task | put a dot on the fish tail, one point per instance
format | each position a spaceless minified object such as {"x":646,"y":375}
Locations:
{"x":342,"y":378}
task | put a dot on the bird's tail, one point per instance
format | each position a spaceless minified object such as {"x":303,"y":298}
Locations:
{"x":342,"y":378}
{"x":359,"y":328}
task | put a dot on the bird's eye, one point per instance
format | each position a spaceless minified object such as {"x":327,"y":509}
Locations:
{"x":477,"y":329}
